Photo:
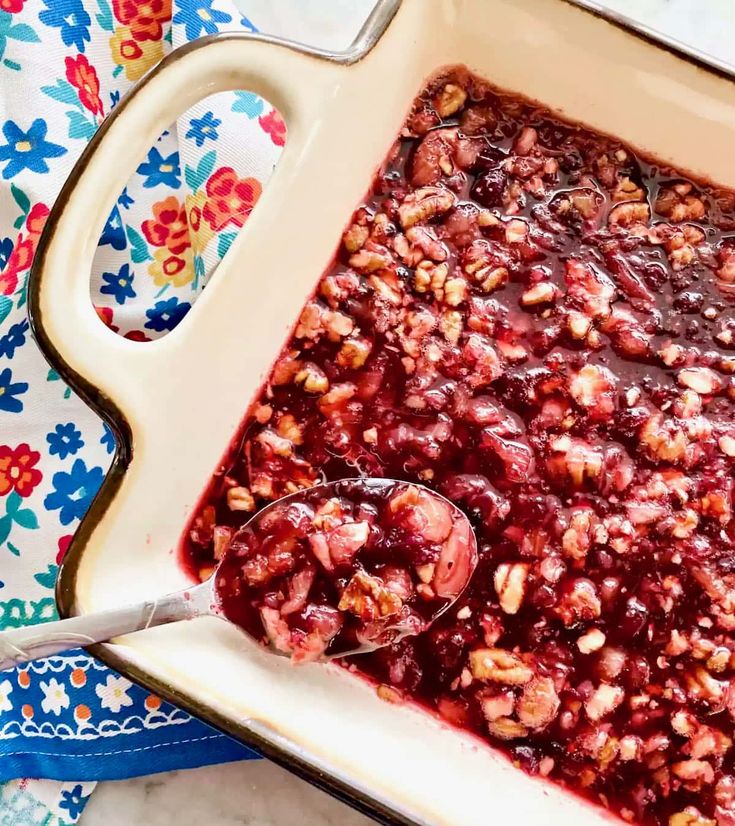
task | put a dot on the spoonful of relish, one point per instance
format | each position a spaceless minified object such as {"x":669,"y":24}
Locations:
{"x":337,"y":569}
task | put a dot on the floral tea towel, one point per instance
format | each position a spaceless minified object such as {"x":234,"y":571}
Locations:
{"x":64,"y":65}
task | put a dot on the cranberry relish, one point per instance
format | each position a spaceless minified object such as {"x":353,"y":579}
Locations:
{"x":354,"y":567}
{"x":539,"y":324}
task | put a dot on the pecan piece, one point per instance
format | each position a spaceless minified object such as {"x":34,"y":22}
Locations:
{"x":538,"y":704}
{"x":425,"y":203}
{"x":500,"y":666}
{"x":605,"y":699}
{"x":510,"y":585}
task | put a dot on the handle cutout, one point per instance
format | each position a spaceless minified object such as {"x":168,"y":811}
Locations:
{"x":183,"y":206}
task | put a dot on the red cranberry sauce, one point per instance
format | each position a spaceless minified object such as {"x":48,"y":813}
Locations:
{"x":539,"y":324}
{"x":356,"y":566}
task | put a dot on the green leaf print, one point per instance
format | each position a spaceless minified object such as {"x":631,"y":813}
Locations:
{"x":24,"y":203}
{"x":20,"y":31}
{"x":27,"y":519}
{"x":6,"y":523}
{"x":23,"y":32}
{"x":12,"y":503}
{"x":139,"y":250}
{"x":47,"y":578}
{"x":104,"y":16}
{"x":196,"y":177}
{"x":224,"y":241}
{"x":63,"y":92}
{"x":80,"y":126}
{"x":6,"y":306}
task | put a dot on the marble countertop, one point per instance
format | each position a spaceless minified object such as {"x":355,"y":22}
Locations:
{"x":259,"y":793}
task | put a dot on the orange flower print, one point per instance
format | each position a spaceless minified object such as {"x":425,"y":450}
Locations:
{"x":36,"y":219}
{"x":106,"y":316}
{"x":275,"y":126}
{"x":167,"y":268}
{"x":83,"y":78}
{"x":135,"y":57}
{"x":22,"y":255}
{"x":17,"y":471}
{"x":168,"y":227}
{"x":144,"y":17}
{"x":230,"y":199}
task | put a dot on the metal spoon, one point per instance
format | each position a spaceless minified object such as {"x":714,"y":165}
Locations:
{"x":206,"y":599}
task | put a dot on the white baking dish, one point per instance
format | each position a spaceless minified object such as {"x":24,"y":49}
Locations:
{"x":177,"y":402}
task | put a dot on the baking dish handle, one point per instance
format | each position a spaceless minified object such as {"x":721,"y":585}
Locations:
{"x":107,"y":369}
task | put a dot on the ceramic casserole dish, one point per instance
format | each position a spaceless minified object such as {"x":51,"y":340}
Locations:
{"x":176,"y":403}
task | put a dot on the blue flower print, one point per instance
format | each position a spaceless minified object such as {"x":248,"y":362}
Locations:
{"x":13,"y":339}
{"x":199,"y":17}
{"x":27,"y":150}
{"x":114,"y":99}
{"x":73,"y":492}
{"x":65,"y":440}
{"x":6,"y":248}
{"x":114,"y":232}
{"x":248,"y":103}
{"x":204,"y":127}
{"x":108,"y":439}
{"x":159,"y":170}
{"x":119,"y":285}
{"x":125,"y":200}
{"x":248,"y":24}
{"x":69,"y":16}
{"x":9,"y":390}
{"x":165,"y":315}
{"x":73,"y":801}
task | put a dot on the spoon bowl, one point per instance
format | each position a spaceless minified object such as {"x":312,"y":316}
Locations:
{"x":345,"y":567}
{"x":335,"y":570}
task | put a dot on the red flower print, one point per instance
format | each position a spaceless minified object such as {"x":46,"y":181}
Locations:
{"x":8,"y":279}
{"x":36,"y":219}
{"x":20,"y":260}
{"x":144,"y":17}
{"x":25,"y":247}
{"x":83,"y":78}
{"x":137,"y":335}
{"x":11,"y":6}
{"x":106,"y":316}
{"x":168,"y":227}
{"x":275,"y":126}
{"x":63,"y":546}
{"x":230,"y":199}
{"x":17,"y":471}
{"x":8,"y":282}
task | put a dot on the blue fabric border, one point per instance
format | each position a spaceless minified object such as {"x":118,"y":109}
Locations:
{"x":187,"y":746}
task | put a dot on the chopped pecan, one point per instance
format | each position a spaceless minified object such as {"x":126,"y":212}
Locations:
{"x":510,"y":585}
{"x":423,"y":204}
{"x":499,"y":666}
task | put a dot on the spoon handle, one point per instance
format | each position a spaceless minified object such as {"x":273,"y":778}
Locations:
{"x":34,"y":642}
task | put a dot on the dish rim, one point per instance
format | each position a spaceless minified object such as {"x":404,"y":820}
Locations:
{"x":251,"y":733}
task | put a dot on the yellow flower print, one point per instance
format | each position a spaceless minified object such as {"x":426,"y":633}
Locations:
{"x":167,"y":268}
{"x":136,"y":56}
{"x":200,"y":232}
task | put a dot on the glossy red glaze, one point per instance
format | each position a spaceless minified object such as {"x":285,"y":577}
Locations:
{"x":358,"y":565}
{"x":539,"y":323}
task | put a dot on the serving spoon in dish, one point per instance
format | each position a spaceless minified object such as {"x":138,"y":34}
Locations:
{"x":338,"y":569}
